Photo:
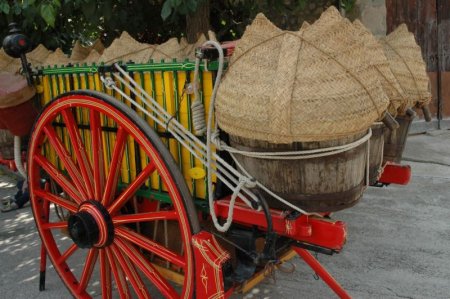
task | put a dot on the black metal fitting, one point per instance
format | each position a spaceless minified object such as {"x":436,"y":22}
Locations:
{"x":17,"y":45}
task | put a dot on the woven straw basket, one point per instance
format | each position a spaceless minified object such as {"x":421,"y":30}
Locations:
{"x":82,"y":53}
{"x":8,"y":64}
{"x":315,"y":84}
{"x":38,"y":55}
{"x":408,"y":66}
{"x":387,"y":79}
{"x":126,"y":48}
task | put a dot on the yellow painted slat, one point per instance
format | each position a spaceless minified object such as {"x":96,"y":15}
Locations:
{"x":167,"y":90}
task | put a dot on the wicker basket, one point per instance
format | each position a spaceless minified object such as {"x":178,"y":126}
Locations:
{"x":312,"y":85}
{"x":408,"y":66}
{"x":126,"y":48}
{"x":387,"y":79}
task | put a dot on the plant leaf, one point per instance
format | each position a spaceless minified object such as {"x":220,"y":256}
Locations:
{"x":166,"y":10}
{"x":4,"y":7}
{"x":48,"y":14}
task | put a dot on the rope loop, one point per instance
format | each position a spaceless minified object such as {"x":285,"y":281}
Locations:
{"x":108,"y":82}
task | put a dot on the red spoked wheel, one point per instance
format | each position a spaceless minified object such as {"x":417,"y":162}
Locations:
{"x":95,"y":234}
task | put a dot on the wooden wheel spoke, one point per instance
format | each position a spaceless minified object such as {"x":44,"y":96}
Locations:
{"x":147,"y":268}
{"x":62,"y":202}
{"x":119,"y":276}
{"x":84,"y":169}
{"x":55,"y":225}
{"x":105,"y":276}
{"x":145,"y":217}
{"x":116,"y":161}
{"x":91,"y":258}
{"x":131,"y":188}
{"x":152,"y":246}
{"x":80,"y":151}
{"x":67,"y":254}
{"x":97,"y":153}
{"x":66,"y":160}
{"x":131,"y":273}
{"x":58,"y":177}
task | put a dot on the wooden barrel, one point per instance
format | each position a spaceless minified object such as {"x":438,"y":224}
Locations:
{"x":394,"y":141}
{"x":376,"y":152}
{"x":323,"y":184}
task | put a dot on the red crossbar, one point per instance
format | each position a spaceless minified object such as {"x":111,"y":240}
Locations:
{"x":394,"y":173}
{"x":314,"y":230}
{"x":322,"y":272}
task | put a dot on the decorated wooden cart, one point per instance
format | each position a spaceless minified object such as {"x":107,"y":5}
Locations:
{"x":133,"y":195}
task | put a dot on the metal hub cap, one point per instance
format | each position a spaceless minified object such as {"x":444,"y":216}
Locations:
{"x":91,"y":226}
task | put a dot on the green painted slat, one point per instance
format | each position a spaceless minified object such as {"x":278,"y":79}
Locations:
{"x":165,"y":66}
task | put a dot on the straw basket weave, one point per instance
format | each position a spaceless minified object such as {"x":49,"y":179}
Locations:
{"x":57,"y":58}
{"x":387,"y":79}
{"x":407,"y":65}
{"x":8,"y":64}
{"x":126,"y":48}
{"x":312,"y":85}
{"x":38,"y":55}
{"x":79,"y":52}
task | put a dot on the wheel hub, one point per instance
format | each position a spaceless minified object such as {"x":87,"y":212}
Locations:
{"x":91,"y":226}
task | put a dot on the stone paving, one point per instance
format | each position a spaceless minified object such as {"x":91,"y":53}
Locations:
{"x":398,"y":240}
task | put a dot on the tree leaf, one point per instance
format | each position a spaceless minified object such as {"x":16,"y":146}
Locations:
{"x":48,"y":13}
{"x":17,"y":9}
{"x":192,"y":5}
{"x":166,"y":10}
{"x":4,"y":7}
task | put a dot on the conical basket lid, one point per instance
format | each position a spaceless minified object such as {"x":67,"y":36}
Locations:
{"x":56,"y":58}
{"x":388,"y":81}
{"x":407,"y":65}
{"x":126,"y":48}
{"x":79,"y":52}
{"x":93,"y":57}
{"x":38,"y":55}
{"x":311,"y":85}
{"x":98,"y":46}
{"x":167,"y":51}
{"x":8,"y":64}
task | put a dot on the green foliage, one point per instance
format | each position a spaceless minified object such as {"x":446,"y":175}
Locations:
{"x":176,"y":8}
{"x":347,"y":5}
{"x":57,"y":23}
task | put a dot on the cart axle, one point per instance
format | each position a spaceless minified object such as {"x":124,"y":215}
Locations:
{"x":91,"y":226}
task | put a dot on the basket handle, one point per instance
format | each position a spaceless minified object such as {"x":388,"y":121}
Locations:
{"x":390,"y":122}
{"x":426,"y":113}
{"x":411,"y":113}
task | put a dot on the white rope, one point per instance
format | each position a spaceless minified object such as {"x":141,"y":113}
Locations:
{"x":238,"y":181}
{"x":295,"y":155}
{"x":188,"y":144}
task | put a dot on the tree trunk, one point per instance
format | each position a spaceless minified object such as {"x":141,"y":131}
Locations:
{"x":198,"y":22}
